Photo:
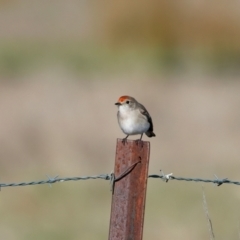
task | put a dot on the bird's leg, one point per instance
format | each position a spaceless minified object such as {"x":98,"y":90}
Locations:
{"x":124,"y":140}
{"x":139,"y":140}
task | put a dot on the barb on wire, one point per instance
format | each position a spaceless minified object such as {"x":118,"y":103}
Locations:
{"x":166,"y":177}
{"x":218,"y":181}
{"x":51,"y":180}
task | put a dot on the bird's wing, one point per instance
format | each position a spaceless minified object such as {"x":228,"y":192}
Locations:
{"x":144,"y":112}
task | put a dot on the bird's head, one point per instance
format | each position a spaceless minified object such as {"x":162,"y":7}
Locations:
{"x":126,"y":102}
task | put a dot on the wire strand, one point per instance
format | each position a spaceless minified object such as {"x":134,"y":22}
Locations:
{"x":164,"y":177}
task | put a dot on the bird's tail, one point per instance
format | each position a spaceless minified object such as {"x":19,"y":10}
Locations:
{"x":150,"y":134}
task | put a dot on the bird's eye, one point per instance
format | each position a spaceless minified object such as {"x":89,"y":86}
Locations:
{"x":127,"y":102}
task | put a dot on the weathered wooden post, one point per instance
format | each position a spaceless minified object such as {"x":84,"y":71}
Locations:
{"x":129,"y":191}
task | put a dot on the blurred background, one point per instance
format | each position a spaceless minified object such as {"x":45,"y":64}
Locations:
{"x":63,"y":65}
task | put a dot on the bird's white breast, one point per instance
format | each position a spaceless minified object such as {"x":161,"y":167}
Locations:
{"x":132,"y":122}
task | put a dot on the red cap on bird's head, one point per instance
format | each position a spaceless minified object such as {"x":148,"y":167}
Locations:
{"x":123,"y":99}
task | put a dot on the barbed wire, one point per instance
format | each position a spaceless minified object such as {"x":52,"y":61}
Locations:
{"x":217,"y":181}
{"x":56,"y":179}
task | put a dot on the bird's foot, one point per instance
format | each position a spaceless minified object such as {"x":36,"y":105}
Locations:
{"x":124,"y":141}
{"x":139,"y":142}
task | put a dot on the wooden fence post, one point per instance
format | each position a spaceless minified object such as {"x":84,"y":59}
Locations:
{"x":129,"y":191}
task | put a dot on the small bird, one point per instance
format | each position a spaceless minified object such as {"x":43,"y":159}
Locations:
{"x":133,"y":118}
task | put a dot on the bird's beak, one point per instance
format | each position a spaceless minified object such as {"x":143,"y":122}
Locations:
{"x":117,"y":103}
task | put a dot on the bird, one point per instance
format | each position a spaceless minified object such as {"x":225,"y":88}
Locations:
{"x":133,"y":118}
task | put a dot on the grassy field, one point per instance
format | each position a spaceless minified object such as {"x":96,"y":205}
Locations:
{"x":18,"y":58}
{"x":57,"y":122}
